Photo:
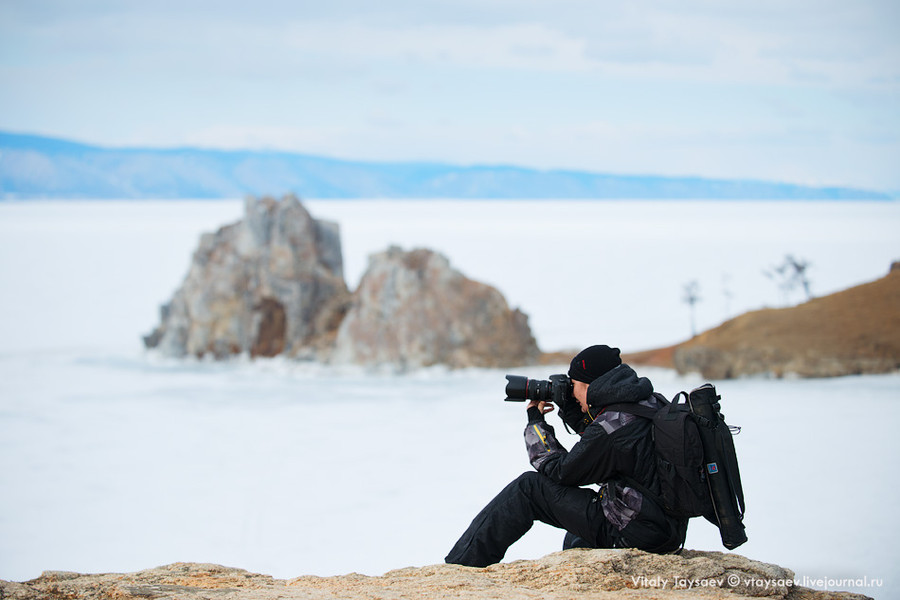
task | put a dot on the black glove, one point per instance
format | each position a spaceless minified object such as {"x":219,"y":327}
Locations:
{"x":535,"y":415}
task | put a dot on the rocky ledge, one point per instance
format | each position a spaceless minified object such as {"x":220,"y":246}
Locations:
{"x":585,"y":574}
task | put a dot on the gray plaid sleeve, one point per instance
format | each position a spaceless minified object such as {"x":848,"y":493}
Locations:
{"x":540,"y":440}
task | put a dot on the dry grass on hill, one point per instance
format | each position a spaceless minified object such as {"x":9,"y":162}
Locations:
{"x":853,"y":331}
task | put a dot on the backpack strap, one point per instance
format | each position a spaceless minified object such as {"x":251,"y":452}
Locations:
{"x":647,"y":412}
{"x":729,"y":456}
{"x":633,"y":409}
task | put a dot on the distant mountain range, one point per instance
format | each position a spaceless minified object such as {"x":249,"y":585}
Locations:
{"x":41,"y":167}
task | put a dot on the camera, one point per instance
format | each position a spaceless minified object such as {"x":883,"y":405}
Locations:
{"x":557,"y":390}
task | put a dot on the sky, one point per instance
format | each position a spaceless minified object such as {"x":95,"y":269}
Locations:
{"x":801,"y":91}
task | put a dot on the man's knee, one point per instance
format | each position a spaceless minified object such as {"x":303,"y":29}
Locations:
{"x":527,"y":482}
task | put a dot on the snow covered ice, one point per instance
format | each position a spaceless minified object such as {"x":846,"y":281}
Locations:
{"x":112,"y":459}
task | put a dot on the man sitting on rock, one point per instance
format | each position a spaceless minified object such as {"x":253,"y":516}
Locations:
{"x":615,"y":450}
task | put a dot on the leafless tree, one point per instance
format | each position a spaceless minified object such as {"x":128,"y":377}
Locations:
{"x":691,"y":298}
{"x":791,"y":274}
{"x":726,"y":291}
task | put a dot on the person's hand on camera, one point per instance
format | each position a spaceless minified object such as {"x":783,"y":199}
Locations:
{"x":542,"y":406}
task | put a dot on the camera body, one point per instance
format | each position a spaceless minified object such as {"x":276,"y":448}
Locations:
{"x":521,"y":389}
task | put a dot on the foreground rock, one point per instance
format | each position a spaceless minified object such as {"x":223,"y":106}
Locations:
{"x":412,"y":309}
{"x":851,"y":332}
{"x":270,"y":284}
{"x":584,"y":574}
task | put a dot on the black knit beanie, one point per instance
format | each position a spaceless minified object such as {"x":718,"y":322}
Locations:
{"x":591,"y":363}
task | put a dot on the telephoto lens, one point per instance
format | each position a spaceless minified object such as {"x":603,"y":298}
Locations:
{"x":520,"y":389}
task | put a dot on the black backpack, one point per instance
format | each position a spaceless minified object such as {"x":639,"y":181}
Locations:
{"x":696,"y":461}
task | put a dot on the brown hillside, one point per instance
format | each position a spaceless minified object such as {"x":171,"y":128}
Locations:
{"x":849,"y":332}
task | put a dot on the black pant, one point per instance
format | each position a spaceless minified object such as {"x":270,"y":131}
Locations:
{"x":529,"y":498}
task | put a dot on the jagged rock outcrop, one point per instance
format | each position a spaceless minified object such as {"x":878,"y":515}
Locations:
{"x":413,"y":309}
{"x":273,"y":284}
{"x":583,"y":574}
{"x":269,"y":284}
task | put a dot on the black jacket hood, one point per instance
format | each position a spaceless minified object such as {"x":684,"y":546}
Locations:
{"x":618,"y":386}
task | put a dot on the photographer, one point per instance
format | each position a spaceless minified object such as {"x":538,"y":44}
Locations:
{"x":615,"y":450}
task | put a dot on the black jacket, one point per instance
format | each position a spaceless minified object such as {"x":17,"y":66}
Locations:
{"x":615,"y":451}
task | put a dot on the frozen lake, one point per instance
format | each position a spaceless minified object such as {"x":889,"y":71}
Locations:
{"x":113,"y":460}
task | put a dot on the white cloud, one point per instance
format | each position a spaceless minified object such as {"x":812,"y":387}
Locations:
{"x":518,"y":46}
{"x":838,"y":43}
